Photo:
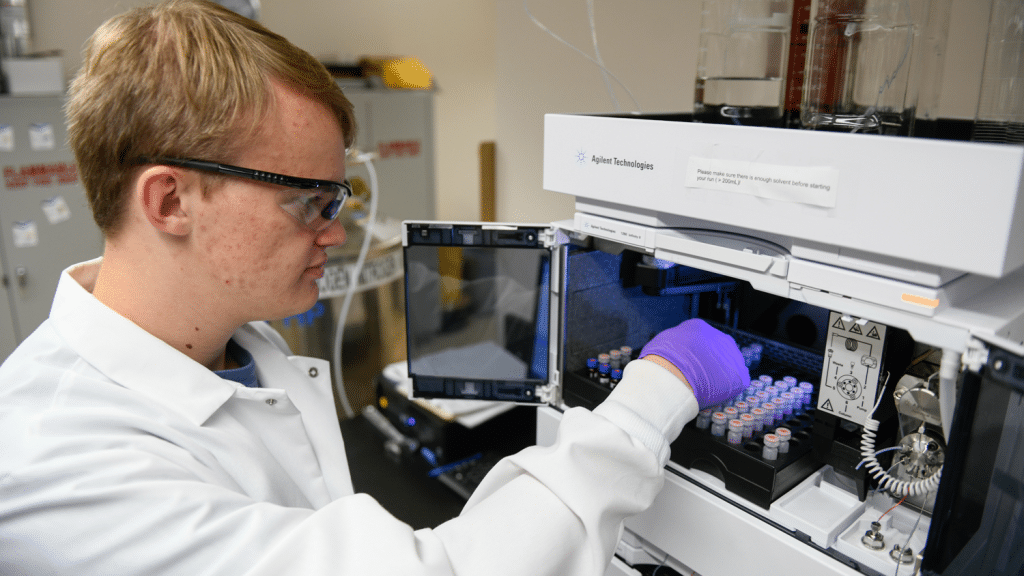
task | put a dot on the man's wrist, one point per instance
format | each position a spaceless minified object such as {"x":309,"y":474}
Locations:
{"x":664,"y":363}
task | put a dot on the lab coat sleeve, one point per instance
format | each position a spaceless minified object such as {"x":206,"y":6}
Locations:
{"x":559,"y":509}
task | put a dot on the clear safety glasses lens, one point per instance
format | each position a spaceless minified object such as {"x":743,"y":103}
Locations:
{"x":314,"y":207}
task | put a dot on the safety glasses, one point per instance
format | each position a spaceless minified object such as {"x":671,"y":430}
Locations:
{"x":315,"y":203}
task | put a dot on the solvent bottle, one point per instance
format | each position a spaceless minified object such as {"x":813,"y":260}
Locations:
{"x":741,"y":63}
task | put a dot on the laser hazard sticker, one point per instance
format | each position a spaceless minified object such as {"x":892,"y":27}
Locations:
{"x":816,"y":186}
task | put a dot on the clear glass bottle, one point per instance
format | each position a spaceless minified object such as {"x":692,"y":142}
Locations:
{"x":1000,"y":116}
{"x":741,"y":64}
{"x":864,"y":68}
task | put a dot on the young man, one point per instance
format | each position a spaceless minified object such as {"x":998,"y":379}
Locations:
{"x":152,"y":425}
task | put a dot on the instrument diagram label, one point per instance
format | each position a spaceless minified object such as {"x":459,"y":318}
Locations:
{"x":853,"y":363}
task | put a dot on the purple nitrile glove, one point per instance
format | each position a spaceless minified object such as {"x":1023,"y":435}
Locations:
{"x":708,"y":358}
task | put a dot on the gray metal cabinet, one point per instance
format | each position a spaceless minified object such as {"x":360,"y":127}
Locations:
{"x":45,"y":221}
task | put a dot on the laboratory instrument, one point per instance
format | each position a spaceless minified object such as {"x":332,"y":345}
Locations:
{"x":879,"y":313}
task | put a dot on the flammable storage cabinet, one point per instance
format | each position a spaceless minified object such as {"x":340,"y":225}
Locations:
{"x":44,"y":216}
{"x":874,"y":285}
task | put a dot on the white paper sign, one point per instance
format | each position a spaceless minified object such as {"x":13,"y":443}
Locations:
{"x":6,"y":138}
{"x":26,"y":234}
{"x":56,"y":210}
{"x":817,"y":186}
{"x":40,"y":136}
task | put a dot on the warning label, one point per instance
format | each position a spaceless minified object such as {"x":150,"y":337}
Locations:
{"x":850,"y":374}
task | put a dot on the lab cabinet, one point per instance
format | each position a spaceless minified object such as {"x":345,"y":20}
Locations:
{"x":45,"y":221}
{"x":896,"y":375}
{"x":397,"y":125}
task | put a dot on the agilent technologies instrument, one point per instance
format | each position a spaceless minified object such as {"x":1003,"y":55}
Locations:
{"x":875,"y":286}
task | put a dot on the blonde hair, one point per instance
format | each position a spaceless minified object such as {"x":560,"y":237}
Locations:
{"x":182,"y":79}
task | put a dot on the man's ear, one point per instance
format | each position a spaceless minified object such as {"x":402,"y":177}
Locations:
{"x":162,"y":197}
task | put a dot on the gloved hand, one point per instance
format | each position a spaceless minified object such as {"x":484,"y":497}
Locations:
{"x":708,"y":358}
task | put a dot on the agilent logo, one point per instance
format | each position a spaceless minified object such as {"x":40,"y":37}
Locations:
{"x":581,"y":157}
{"x":619,"y":162}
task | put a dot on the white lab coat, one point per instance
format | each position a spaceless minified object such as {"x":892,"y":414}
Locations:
{"x":120,"y":455}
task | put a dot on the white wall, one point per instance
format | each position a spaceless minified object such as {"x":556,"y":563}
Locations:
{"x":453,"y":38}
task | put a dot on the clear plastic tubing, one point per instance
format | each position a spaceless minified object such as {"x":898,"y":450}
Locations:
{"x":735,"y":435}
{"x":759,"y":415}
{"x":703,"y":421}
{"x":784,"y":435}
{"x":718,"y":421}
{"x":771,"y":447}
{"x":748,"y":425}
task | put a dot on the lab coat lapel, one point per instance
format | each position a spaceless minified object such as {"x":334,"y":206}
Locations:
{"x":307,"y":383}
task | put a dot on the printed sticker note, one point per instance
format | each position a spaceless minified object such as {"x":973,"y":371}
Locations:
{"x":56,"y":210}
{"x":817,"y":186}
{"x":26,"y":234}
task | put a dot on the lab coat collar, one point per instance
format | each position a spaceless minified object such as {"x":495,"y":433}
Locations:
{"x":130,"y":356}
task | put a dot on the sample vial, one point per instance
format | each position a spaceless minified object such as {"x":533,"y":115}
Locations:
{"x":718,"y":420}
{"x":781,"y":385}
{"x":791,"y":380}
{"x":787,"y":404}
{"x":615,"y":358}
{"x":766,"y":379}
{"x":808,"y":389}
{"x":627,"y":354}
{"x":771,"y":447}
{"x":752,"y":401}
{"x":748,"y":425}
{"x":592,"y":368}
{"x":769,"y":413}
{"x":784,"y":436}
{"x":758,"y":415}
{"x":731,"y":412}
{"x":703,"y":421}
{"x":742,"y":407}
{"x":604,"y":372}
{"x":604,"y":358}
{"x":616,"y":376}
{"x":735,"y":435}
{"x":773,"y":391}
